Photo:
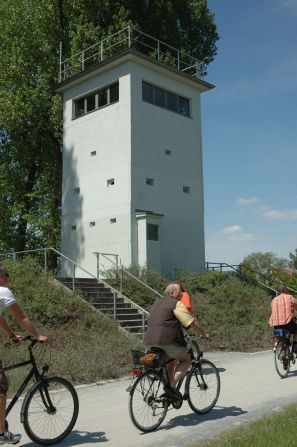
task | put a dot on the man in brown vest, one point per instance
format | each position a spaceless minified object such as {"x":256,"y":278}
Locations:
{"x":168,"y":317}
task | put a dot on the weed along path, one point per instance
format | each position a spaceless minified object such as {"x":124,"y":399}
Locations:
{"x":250,"y":388}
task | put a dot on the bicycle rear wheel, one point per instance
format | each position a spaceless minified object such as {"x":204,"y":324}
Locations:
{"x":148,"y":404}
{"x":281,"y":358}
{"x":50,"y":410}
{"x":203,"y":384}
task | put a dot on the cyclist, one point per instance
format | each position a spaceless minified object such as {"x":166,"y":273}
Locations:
{"x":167,"y":318}
{"x":283,"y":307}
{"x":8,"y":300}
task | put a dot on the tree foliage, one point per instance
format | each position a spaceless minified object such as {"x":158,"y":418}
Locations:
{"x":31,"y":112}
{"x":262,"y":266}
{"x":293,"y":259}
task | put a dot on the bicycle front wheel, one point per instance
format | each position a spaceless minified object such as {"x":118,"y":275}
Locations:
{"x":50,"y":410}
{"x":148,"y":404}
{"x":203,"y":386}
{"x":281,"y":358}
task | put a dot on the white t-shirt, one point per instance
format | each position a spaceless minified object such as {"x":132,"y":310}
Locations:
{"x":7,"y":298}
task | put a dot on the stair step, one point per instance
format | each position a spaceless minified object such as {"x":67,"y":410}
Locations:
{"x":103,"y":299}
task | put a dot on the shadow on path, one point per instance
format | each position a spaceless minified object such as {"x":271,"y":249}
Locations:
{"x":194,"y":419}
{"x":77,"y":437}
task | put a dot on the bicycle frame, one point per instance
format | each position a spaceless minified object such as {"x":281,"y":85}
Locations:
{"x":33,"y":372}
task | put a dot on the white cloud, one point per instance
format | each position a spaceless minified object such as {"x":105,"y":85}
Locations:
{"x":243,"y":237}
{"x":232,"y":229}
{"x":280,"y":215}
{"x":235,"y":233}
{"x":246,"y":200}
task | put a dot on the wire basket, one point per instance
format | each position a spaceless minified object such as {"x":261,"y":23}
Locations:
{"x":136,"y":355}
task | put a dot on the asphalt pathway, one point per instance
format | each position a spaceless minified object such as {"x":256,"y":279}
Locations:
{"x":250,"y":388}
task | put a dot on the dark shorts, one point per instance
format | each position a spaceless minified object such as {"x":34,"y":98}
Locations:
{"x":291,"y":327}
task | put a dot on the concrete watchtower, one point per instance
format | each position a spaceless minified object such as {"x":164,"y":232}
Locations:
{"x":132,"y":166}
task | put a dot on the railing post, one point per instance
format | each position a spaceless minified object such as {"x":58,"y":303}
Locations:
{"x":129,"y":36}
{"x":98,"y":270}
{"x":121,"y":277}
{"x":45,"y":260}
{"x":114,"y":306}
{"x":143,"y":325}
{"x":158,"y":50}
{"x":73,"y":278}
{"x":178,"y":60}
{"x":101,"y":51}
{"x":198,"y":69}
{"x":60,"y":74}
{"x":82,"y":60}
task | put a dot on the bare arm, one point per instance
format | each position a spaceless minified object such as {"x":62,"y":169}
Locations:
{"x":5,"y":328}
{"x":199,"y":329}
{"x":24,"y":322}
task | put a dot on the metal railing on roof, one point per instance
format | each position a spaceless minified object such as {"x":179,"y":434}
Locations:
{"x":130,"y":37}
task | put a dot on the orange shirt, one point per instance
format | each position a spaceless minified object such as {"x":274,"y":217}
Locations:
{"x":282,"y":309}
{"x":186,"y":300}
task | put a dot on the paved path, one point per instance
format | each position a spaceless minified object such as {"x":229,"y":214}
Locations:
{"x":250,"y":388}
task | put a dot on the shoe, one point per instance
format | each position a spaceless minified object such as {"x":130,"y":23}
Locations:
{"x":285,"y":364}
{"x":172,"y":393}
{"x":9,"y":438}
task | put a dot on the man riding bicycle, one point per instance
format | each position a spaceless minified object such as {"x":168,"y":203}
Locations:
{"x":283,"y":307}
{"x":168,"y":317}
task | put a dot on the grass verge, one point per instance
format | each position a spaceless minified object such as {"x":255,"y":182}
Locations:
{"x":275,"y":430}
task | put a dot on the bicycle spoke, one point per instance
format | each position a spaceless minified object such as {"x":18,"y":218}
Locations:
{"x":148,"y":404}
{"x":203,"y":387}
{"x":50,"y":413}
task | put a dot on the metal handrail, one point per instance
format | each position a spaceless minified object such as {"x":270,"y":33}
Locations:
{"x":97,"y":253}
{"x":75,"y":266}
{"x":236,"y":268}
{"x":131,"y":35}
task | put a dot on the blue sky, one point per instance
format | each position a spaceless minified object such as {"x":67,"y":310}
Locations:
{"x":249,"y":129}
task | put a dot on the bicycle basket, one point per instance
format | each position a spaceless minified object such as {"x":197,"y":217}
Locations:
{"x":149,"y":360}
{"x":136,"y":355}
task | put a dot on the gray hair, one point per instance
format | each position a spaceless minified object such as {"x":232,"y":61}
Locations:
{"x":169,"y":289}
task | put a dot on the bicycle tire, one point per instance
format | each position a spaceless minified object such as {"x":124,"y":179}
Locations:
{"x":203,"y":385}
{"x":148,"y":404}
{"x":279,"y":360}
{"x":44,"y":425}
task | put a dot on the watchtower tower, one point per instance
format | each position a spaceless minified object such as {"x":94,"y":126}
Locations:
{"x":132,"y":160}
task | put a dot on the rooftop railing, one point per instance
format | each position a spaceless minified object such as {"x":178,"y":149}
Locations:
{"x":130,"y":37}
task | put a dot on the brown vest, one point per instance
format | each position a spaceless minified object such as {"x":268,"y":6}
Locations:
{"x":163,"y":327}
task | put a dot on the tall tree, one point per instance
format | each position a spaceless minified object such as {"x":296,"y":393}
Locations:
{"x":262,"y":265}
{"x":31,"y":112}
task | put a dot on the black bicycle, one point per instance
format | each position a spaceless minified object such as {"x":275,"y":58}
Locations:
{"x":148,"y":403}
{"x":50,"y":407}
{"x":283,"y":355}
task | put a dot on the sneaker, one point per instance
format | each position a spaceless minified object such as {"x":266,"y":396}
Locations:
{"x":9,"y":438}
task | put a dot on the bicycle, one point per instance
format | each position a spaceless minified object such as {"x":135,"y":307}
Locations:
{"x":148,"y":404}
{"x":50,"y":407}
{"x":283,"y":355}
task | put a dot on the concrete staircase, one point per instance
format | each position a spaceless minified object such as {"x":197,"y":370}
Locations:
{"x":127,"y":314}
